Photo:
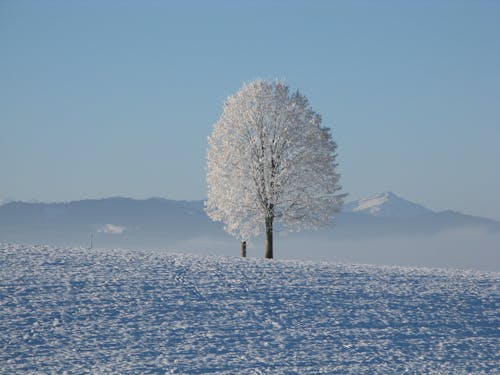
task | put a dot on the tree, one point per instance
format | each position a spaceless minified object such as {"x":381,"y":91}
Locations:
{"x":270,"y":160}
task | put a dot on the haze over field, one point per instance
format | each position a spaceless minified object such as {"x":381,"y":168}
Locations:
{"x":381,"y":229}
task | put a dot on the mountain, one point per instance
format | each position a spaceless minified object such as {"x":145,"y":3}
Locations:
{"x":388,"y":215}
{"x":113,"y":222}
{"x":387,"y":205}
{"x":381,"y":229}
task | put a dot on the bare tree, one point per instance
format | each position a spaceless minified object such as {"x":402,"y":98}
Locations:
{"x":270,"y":160}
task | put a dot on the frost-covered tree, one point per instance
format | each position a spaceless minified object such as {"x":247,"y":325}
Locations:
{"x":270,"y":161}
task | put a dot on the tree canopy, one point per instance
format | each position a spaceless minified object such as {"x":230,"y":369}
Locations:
{"x":269,"y":159}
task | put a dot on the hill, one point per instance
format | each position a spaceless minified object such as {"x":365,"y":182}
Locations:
{"x":116,"y":311}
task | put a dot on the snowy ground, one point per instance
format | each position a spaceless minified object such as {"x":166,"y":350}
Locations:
{"x":115,"y":311}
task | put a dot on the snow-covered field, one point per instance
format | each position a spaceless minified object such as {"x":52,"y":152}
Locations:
{"x":116,"y":311}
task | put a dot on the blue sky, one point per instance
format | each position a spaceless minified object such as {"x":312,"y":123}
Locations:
{"x":108,"y":98}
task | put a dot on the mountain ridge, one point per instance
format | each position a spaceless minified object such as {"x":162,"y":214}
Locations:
{"x":438,"y":239}
{"x":380,"y":215}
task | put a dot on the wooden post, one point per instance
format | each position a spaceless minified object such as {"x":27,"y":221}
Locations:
{"x":244,"y":249}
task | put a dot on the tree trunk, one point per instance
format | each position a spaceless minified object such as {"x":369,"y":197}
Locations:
{"x":269,"y":238}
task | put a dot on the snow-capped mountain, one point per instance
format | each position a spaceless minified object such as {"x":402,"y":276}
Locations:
{"x":387,"y":205}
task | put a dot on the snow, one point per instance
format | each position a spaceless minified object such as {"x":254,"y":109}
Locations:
{"x":73,"y":310}
{"x":111,"y":229}
{"x":372,"y":204}
{"x":387,"y":205}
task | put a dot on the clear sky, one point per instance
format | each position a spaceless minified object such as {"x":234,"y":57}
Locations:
{"x":117,"y":98}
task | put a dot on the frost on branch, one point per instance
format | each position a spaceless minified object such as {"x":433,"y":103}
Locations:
{"x":269,"y":159}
